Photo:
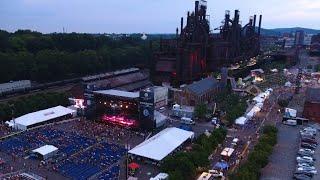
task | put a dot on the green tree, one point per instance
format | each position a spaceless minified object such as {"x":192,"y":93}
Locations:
{"x":201,"y":111}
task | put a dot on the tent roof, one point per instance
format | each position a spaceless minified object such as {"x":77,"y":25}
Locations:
{"x":221,"y":165}
{"x":253,"y":111}
{"x":241,"y":120}
{"x":162,"y":144}
{"x":113,"y":92}
{"x":227,"y":152}
{"x":46,"y":149}
{"x":43,"y":115}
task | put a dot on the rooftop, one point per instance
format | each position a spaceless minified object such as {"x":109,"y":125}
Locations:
{"x":162,"y":144}
{"x":43,"y":115}
{"x":313,"y":95}
{"x":46,"y":149}
{"x":119,"y":93}
{"x":203,"y":86}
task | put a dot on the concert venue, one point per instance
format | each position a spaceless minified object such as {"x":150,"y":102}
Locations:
{"x":118,"y":107}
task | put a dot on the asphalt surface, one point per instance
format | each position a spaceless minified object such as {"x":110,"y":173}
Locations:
{"x":282,"y":162}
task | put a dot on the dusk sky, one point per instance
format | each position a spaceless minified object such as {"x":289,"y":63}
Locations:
{"x":149,"y":16}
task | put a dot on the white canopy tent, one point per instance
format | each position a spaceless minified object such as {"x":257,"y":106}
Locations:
{"x":31,"y":119}
{"x":227,"y":152}
{"x":46,"y":151}
{"x":241,"y":121}
{"x":253,"y":112}
{"x":162,"y":144}
{"x":159,"y":118}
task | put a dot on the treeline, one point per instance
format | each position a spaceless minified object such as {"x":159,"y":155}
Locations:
{"x":258,"y":158}
{"x":184,"y":165}
{"x":25,"y":54}
{"x":232,"y":104}
{"x":31,"y":103}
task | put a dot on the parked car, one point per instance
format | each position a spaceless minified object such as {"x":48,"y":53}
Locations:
{"x":308,"y":140}
{"x":305,"y":133}
{"x":306,"y":168}
{"x":313,"y":132}
{"x":305,"y":165}
{"x":188,"y":121}
{"x":308,"y":171}
{"x":305,"y":154}
{"x":301,"y":177}
{"x":309,"y":146}
{"x":216,"y":174}
{"x":304,"y":173}
{"x":308,"y":136}
{"x":306,"y":150}
{"x":305,"y":159}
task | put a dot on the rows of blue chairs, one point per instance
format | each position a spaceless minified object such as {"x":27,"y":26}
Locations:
{"x":100,"y":157}
{"x":111,"y":174}
{"x":78,"y":171}
{"x":68,"y":143}
{"x":81,"y":165}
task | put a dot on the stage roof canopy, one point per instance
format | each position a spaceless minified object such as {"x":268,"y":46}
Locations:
{"x":160,"y":145}
{"x":113,"y":92}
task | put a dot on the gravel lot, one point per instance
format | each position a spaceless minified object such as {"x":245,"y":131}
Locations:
{"x":282,"y":162}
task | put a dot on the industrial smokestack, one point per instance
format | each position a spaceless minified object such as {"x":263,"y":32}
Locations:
{"x":260,"y":21}
{"x":226,"y":19}
{"x":196,"y":11}
{"x":254,"y":22}
{"x":236,"y":16}
{"x":181,"y":26}
{"x":177,"y":32}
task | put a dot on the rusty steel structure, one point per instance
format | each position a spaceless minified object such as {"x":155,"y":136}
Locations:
{"x":196,"y":50}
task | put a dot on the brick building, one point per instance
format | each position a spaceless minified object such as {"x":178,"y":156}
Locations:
{"x":198,"y":92}
{"x":312,"y":104}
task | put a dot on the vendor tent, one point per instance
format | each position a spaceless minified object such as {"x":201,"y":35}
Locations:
{"x":241,"y":121}
{"x":46,"y":151}
{"x":221,"y":165}
{"x":162,"y":144}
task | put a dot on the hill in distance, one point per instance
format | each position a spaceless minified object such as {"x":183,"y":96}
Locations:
{"x":280,"y":31}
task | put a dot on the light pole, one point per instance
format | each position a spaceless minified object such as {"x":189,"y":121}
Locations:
{"x":12,"y":115}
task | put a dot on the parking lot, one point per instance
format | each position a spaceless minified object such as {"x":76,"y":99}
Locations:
{"x":282,"y":164}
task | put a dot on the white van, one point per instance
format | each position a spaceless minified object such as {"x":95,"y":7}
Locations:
{"x":290,"y":122}
{"x":186,"y":120}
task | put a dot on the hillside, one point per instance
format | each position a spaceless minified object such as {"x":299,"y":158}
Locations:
{"x":280,"y":31}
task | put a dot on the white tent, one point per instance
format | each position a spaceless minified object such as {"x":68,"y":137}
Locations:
{"x":159,"y":118}
{"x":288,"y":84}
{"x":258,"y":99}
{"x":31,"y":119}
{"x":241,"y":121}
{"x":259,"y":105}
{"x":227,"y":152}
{"x":253,"y":112}
{"x":162,"y":144}
{"x":46,"y":151}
